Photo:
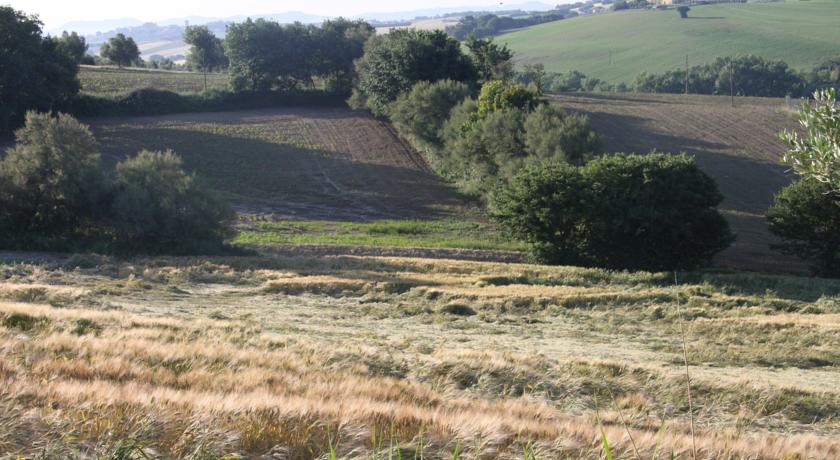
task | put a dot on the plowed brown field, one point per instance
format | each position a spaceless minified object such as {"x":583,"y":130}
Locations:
{"x":312,"y":163}
{"x":738,"y":146}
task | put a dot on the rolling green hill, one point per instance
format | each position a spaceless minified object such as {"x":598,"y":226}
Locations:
{"x":802,"y":33}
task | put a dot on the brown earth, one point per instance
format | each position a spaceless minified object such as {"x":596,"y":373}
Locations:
{"x":310,"y":163}
{"x":737,"y":146}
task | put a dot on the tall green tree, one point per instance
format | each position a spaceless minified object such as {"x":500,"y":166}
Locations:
{"x":51,"y":182}
{"x":120,"y":50}
{"x":393,"y":63}
{"x":339,"y":43}
{"x":493,"y":62}
{"x":206,"y":50}
{"x":73,"y":45}
{"x":34,"y":72}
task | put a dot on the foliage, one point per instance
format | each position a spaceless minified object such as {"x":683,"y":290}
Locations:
{"x":265,"y":55}
{"x":35,"y":72}
{"x":206,"y":51}
{"x":816,"y":154}
{"x":158,"y":206}
{"x":342,"y":41}
{"x":806,"y":216}
{"x":120,"y":50}
{"x":491,"y":60}
{"x":534,"y":76}
{"x":552,"y":134}
{"x":651,"y":212}
{"x":498,"y":95}
{"x":424,"y":109}
{"x":393,"y":63}
{"x":490,"y":24}
{"x":752,"y":76}
{"x":73,"y":45}
{"x":51,"y":182}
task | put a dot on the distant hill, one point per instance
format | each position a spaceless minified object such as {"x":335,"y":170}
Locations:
{"x":617,"y":46}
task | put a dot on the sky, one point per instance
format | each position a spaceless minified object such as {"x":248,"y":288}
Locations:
{"x":55,"y":13}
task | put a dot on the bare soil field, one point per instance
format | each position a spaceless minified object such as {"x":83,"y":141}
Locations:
{"x":375,"y":357}
{"x":737,"y":146}
{"x":321,"y":163}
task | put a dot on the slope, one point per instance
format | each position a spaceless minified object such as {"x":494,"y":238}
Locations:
{"x":617,"y":46}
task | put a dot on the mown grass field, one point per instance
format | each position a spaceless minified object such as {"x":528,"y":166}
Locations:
{"x":288,"y":357}
{"x":113,"y":82}
{"x":801,"y":33}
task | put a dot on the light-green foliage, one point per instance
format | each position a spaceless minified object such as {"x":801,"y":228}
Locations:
{"x":161,"y":207}
{"x":51,"y":181}
{"x":422,"y":111}
{"x":552,"y":134}
{"x":816,"y":154}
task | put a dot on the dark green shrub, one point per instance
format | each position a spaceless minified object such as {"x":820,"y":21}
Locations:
{"x":51,"y":182}
{"x":394,"y":62}
{"x":422,"y":111}
{"x":806,"y":216}
{"x":159,"y":207}
{"x":36,"y":72}
{"x":650,"y":212}
{"x":552,"y":134}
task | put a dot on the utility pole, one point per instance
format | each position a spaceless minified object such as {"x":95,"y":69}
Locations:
{"x":686,"y":74}
{"x":732,"y":81}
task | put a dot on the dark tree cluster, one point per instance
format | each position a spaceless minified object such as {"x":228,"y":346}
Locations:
{"x":649,"y":212}
{"x":55,"y":194}
{"x":486,"y":25}
{"x":265,"y":55}
{"x":36,"y":72}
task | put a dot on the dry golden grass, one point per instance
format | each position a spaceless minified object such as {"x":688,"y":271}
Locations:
{"x":285,"y":357}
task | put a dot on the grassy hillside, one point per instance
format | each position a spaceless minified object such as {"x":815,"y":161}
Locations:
{"x":287,"y":357}
{"x":801,"y":33}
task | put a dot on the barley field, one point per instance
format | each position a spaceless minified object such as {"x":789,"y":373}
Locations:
{"x":304,"y":357}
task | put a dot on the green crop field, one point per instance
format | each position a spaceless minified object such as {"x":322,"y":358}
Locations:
{"x":802,"y":33}
{"x":110,"y":81}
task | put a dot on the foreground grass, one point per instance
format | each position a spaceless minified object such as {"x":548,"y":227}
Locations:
{"x":292,"y":356}
{"x":410,"y":233}
{"x":617,"y":46}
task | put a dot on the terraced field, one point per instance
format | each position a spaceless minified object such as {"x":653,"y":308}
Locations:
{"x":737,"y":146}
{"x":111,"y":81}
{"x":370,"y":357}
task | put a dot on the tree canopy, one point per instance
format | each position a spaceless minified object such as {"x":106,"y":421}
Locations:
{"x":120,"y":50}
{"x":35,"y":71}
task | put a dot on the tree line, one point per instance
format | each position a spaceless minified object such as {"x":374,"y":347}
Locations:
{"x":743,"y":75}
{"x":486,"y":25}
{"x":538,"y":169}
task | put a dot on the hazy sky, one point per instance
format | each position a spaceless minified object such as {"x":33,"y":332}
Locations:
{"x":55,"y":13}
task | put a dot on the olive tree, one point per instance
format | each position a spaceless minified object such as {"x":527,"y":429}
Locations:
{"x":816,"y":154}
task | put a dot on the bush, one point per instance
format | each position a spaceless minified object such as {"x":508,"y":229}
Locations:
{"x":806,"y":216}
{"x":650,"y":212}
{"x":159,"y":207}
{"x":393,"y":63}
{"x":422,"y":111}
{"x":498,"y":95}
{"x":51,"y":182}
{"x":552,"y":134}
